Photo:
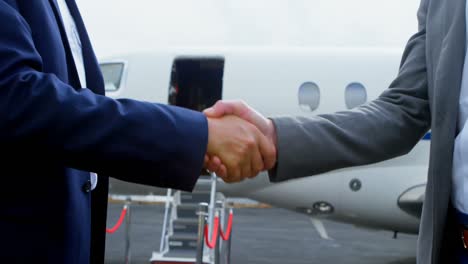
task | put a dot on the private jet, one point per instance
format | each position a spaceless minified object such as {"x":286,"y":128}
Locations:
{"x":296,"y":58}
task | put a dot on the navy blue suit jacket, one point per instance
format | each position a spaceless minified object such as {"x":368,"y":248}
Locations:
{"x":52,"y":133}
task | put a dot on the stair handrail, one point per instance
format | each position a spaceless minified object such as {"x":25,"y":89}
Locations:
{"x":202,"y":213}
{"x":163,"y":244}
{"x":212,"y":205}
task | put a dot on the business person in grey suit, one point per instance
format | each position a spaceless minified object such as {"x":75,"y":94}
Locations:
{"x":430,"y":92}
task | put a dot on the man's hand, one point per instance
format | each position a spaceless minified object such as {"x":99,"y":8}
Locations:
{"x":240,"y":146}
{"x":242,"y":110}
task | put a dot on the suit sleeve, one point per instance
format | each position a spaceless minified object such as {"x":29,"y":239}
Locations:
{"x":386,"y":127}
{"x":42,"y":118}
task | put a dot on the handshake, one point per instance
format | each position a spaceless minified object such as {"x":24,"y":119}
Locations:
{"x":241,"y":142}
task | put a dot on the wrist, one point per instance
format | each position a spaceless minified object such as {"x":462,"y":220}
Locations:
{"x":271,"y":134}
{"x":211,"y":135}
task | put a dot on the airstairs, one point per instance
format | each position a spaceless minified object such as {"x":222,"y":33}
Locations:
{"x":188,"y":216}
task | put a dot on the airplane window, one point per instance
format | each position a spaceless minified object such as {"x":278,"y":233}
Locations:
{"x":355,"y":95}
{"x":309,"y":96}
{"x":112,"y":73}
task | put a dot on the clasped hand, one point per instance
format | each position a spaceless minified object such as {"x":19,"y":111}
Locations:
{"x":241,"y":142}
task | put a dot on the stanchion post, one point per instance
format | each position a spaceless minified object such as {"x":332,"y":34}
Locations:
{"x":219,"y":243}
{"x":202,"y":214}
{"x":228,"y":243}
{"x":128,"y":254}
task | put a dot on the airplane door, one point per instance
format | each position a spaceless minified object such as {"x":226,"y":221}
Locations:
{"x":196,"y":83}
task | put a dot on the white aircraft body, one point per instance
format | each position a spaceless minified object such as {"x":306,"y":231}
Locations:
{"x":295,"y":58}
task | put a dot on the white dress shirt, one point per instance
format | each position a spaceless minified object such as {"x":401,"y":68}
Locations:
{"x":75,"y":45}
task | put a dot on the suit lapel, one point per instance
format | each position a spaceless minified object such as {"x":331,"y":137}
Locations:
{"x":93,"y":72}
{"x":73,"y":78}
{"x":452,"y":58}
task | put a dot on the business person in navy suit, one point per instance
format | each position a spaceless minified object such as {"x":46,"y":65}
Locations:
{"x":57,"y":129}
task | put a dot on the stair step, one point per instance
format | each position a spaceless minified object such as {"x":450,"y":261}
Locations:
{"x":187,"y":210}
{"x":187,"y":206}
{"x":186,"y":221}
{"x":183,"y":246}
{"x":183,"y":236}
{"x":203,"y":185}
{"x":183,"y":241}
{"x":186,"y":229}
{"x":176,"y":245}
{"x":181,"y":253}
{"x":204,"y":179}
{"x":171,"y":260}
{"x":185,"y":225}
{"x":201,"y":197}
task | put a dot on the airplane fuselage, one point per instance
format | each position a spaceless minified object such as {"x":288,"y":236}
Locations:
{"x":270,"y":80}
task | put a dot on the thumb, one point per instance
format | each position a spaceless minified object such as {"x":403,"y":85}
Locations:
{"x":217,"y":110}
{"x":212,"y":112}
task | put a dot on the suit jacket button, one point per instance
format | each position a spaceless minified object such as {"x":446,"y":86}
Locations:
{"x":87,"y":186}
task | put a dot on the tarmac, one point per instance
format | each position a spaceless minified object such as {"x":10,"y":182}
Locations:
{"x":268,"y":235}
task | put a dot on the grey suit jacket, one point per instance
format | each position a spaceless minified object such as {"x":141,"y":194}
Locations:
{"x":423,"y":96}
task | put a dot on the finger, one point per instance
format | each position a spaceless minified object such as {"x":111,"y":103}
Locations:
{"x":222,"y":171}
{"x":246,"y":170}
{"x":229,"y":170}
{"x":206,"y":163}
{"x":216,"y":160}
{"x":249,"y":157}
{"x":268,"y":152}
{"x":233,"y":174}
{"x":213,"y":164}
{"x":257,"y":163}
{"x":228,"y":180}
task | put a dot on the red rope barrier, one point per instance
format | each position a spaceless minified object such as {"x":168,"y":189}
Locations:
{"x":211,"y":243}
{"x":119,"y":222}
{"x":226,"y":236}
